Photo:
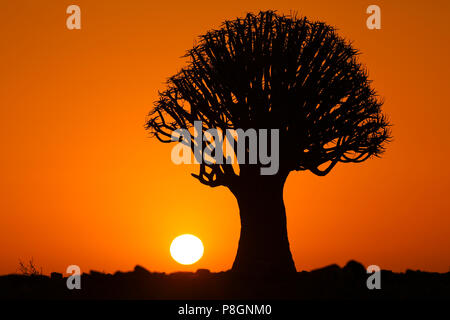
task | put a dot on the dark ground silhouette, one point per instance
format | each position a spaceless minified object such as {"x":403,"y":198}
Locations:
{"x":331,"y":282}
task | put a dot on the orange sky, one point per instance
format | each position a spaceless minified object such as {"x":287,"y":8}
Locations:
{"x":81,"y":182}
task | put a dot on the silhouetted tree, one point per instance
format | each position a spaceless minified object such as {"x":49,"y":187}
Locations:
{"x":273,"y":71}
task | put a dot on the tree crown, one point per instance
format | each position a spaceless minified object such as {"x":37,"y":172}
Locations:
{"x":272,"y":71}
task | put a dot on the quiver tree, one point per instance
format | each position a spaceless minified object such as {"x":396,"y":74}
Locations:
{"x":268,"y":71}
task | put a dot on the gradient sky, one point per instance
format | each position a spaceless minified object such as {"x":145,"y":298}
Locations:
{"x":82,"y":183}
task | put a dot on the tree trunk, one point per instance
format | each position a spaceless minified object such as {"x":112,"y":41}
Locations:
{"x":263,"y":244}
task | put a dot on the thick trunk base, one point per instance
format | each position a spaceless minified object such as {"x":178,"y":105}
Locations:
{"x":263,"y":244}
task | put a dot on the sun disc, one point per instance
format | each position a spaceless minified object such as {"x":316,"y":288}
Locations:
{"x":186,"y":249}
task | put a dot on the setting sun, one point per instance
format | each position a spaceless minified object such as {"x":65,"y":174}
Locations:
{"x":186,"y":249}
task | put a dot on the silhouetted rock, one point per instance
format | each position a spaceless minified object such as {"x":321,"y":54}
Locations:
{"x":141,"y":271}
{"x":56,"y":276}
{"x":355,"y":268}
{"x":354,"y":272}
{"x":203,"y":273}
{"x":95,"y":273}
